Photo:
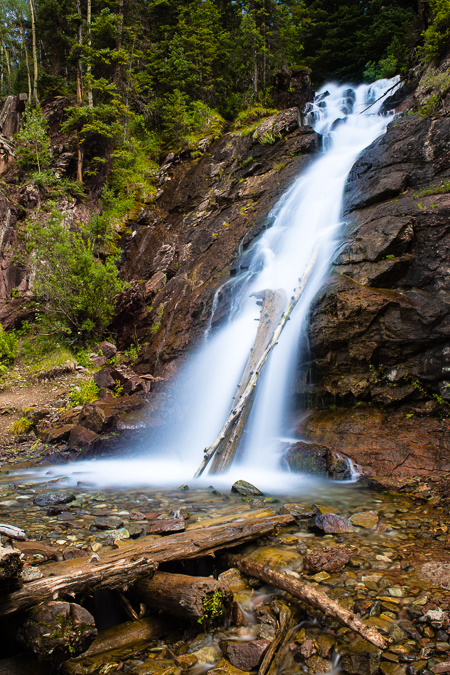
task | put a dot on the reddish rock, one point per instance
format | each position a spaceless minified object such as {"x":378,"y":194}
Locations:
{"x":245,"y":655}
{"x":107,"y":349}
{"x":333,"y":524}
{"x":103,"y":415}
{"x":383,"y":444}
{"x":104,"y":379}
{"x":81,"y":437}
{"x":328,"y":559}
{"x":55,"y":434}
{"x":164,"y":526}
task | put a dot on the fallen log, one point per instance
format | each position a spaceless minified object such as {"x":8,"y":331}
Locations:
{"x":124,"y":566}
{"x":241,"y":408}
{"x":285,"y":624}
{"x":200,"y":599}
{"x":56,"y":631}
{"x":306,"y":593}
{"x":272,"y":306}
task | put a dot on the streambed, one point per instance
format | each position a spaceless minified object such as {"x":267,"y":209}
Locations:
{"x":381,"y":581}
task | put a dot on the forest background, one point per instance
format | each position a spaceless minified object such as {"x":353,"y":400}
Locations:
{"x":140,"y":79}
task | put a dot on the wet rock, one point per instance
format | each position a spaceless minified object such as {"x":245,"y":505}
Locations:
{"x":224,"y":667}
{"x":362,"y":658}
{"x":186,"y":661}
{"x":104,"y":415}
{"x":52,"y":498}
{"x":317,"y":665}
{"x":367,"y":519}
{"x":234,"y":580}
{"x":297,"y":510}
{"x":329,"y":559}
{"x":278,"y":558}
{"x":164,"y":526}
{"x":308,"y":649}
{"x":436,"y":573}
{"x":209,"y":654}
{"x":245,"y":655}
{"x":389,"y":668}
{"x":246,"y":489}
{"x":109,"y":523}
{"x":103,"y":378}
{"x":36,"y":548}
{"x":333,"y":524}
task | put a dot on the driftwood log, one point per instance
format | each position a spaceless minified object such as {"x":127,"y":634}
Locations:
{"x":56,"y":631}
{"x":185,"y":596}
{"x":306,"y":593}
{"x":124,"y":566}
{"x":285,"y":624}
{"x":229,"y":435}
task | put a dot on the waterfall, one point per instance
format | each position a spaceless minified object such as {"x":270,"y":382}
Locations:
{"x":308,"y":216}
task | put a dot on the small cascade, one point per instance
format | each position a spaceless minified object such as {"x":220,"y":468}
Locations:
{"x":307,"y":218}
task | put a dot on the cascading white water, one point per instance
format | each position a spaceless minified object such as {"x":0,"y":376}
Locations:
{"x":308,"y":216}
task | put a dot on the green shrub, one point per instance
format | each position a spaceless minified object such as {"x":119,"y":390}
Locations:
{"x":21,"y":426}
{"x":84,"y":393}
{"x":32,"y":141}
{"x":8,"y":345}
{"x":74,"y":287}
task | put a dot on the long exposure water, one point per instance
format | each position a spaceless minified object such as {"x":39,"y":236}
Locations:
{"x":306,"y":219}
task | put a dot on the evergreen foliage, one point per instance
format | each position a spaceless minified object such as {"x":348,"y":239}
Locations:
{"x":32,"y":141}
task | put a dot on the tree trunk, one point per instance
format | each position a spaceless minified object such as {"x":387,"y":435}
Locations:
{"x":241,"y":407}
{"x":184,"y":596}
{"x":140,"y":559}
{"x":79,"y":91}
{"x":35,"y":61}
{"x":27,"y":63}
{"x":306,"y":593}
{"x":285,"y":624}
{"x":89,"y":67}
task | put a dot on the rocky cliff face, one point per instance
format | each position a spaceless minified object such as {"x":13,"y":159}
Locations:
{"x":209,"y":209}
{"x":380,"y":330}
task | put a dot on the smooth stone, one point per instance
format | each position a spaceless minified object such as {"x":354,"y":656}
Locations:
{"x":52,"y":498}
{"x":333,"y":524}
{"x":210,"y":654}
{"x":278,"y":558}
{"x":108,"y":523}
{"x":320,"y":576}
{"x":324,"y":509}
{"x":246,"y":489}
{"x":30,"y":573}
{"x":389,"y":668}
{"x":245,"y":655}
{"x":297,"y":510}
{"x":367,"y":519}
{"x":224,"y":667}
{"x":317,"y":665}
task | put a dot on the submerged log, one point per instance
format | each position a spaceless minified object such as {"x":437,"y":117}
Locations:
{"x":306,"y":593}
{"x":233,"y":428}
{"x":56,"y":631}
{"x":199,"y":599}
{"x":124,"y":566}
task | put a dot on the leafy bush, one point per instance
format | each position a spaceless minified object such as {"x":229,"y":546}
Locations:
{"x":83,"y":394}
{"x":8,"y":345}
{"x":32,"y":141}
{"x":74,"y":287}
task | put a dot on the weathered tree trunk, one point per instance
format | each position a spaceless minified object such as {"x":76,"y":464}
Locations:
{"x":184,"y":596}
{"x":27,"y":62}
{"x":126,"y":565}
{"x":10,"y":567}
{"x":35,"y":60}
{"x":89,"y":67}
{"x":56,"y":631}
{"x":127,"y":634}
{"x":272,"y":306}
{"x":241,"y":406}
{"x":306,"y":593}
{"x":79,"y":90}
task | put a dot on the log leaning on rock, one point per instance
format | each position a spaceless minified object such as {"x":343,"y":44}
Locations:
{"x":306,"y":593}
{"x":240,"y":410}
{"x":10,"y":567}
{"x":184,"y":596}
{"x":140,"y":559}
